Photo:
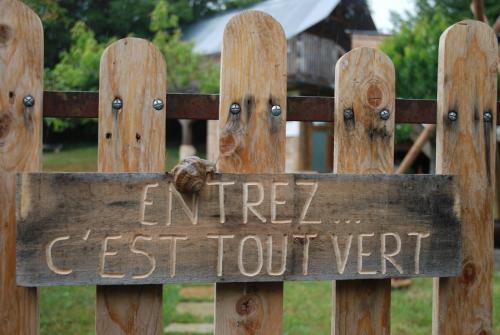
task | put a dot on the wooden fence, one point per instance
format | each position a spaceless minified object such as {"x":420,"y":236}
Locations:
{"x":254,"y":75}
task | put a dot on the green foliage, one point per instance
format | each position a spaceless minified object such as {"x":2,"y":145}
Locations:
{"x":414,"y":51}
{"x":79,"y":66}
{"x":114,"y":18}
{"x":78,"y":31}
{"x":77,"y":70}
{"x":414,"y":45}
{"x":457,"y":10}
{"x":186,"y":70}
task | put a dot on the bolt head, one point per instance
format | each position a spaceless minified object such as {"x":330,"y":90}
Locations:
{"x":487,"y":117}
{"x":235,"y":109}
{"x":348,"y":114}
{"x":452,"y":116}
{"x":117,"y":103}
{"x":28,"y":101}
{"x":276,"y":110}
{"x":158,"y":104}
{"x":385,"y":114}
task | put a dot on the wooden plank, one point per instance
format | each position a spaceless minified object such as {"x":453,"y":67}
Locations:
{"x":21,"y":74}
{"x":467,"y":86}
{"x":218,"y":237}
{"x":131,"y":139}
{"x":364,"y":84}
{"x":254,"y":75}
{"x":206,"y":107}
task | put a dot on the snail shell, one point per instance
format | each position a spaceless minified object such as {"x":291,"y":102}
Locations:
{"x":190,"y":174}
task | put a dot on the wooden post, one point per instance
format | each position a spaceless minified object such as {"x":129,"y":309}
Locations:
{"x":415,"y":149}
{"x":253,"y":75}
{"x":186,"y":148}
{"x":131,"y":139}
{"x":467,"y":88}
{"x":21,"y":75}
{"x":212,"y":140}
{"x":364,"y":85}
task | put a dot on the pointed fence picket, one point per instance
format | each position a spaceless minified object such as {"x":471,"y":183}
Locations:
{"x":21,"y":90}
{"x":252,"y":139}
{"x":363,"y":143}
{"x":131,"y":139}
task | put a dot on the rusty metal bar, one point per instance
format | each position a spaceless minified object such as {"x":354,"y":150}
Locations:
{"x":206,"y":107}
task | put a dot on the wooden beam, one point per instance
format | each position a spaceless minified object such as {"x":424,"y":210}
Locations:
{"x":206,"y":106}
{"x":467,"y":87}
{"x":21,"y":75}
{"x":120,"y":228}
{"x":131,"y":139}
{"x":415,"y":149}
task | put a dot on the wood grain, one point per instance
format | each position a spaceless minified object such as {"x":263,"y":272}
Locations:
{"x":100,"y":206}
{"x":253,"y":74}
{"x":364,"y":83}
{"x":131,"y":139}
{"x":21,"y":74}
{"x":467,"y":85}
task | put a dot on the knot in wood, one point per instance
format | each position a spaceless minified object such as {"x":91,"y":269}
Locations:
{"x":468,"y":274}
{"x":5,"y":124}
{"x":246,"y":305}
{"x":5,"y":34}
{"x":374,"y":95}
{"x":191,"y":173}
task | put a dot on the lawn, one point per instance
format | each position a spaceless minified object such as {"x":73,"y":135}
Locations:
{"x":70,"y":310}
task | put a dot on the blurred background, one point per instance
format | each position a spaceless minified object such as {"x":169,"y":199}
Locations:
{"x":189,"y":34}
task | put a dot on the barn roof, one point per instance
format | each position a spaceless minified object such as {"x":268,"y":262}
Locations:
{"x":294,"y":15}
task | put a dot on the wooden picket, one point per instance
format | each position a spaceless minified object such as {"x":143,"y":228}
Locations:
{"x":363,"y":143}
{"x":252,"y":120}
{"x":21,"y":76}
{"x":465,"y":146}
{"x":131,"y":139}
{"x":253,"y":76}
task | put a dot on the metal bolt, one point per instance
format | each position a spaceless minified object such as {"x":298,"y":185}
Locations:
{"x":235,"y":109}
{"x":487,"y":117}
{"x":158,"y":104}
{"x":384,"y":114}
{"x":28,"y":101}
{"x":452,"y":116}
{"x":276,"y":110}
{"x":117,"y":103}
{"x":348,"y":114}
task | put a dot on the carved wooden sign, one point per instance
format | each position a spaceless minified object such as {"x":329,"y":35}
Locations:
{"x":120,"y":228}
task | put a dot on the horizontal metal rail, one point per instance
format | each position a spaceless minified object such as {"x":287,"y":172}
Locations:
{"x":206,"y":107}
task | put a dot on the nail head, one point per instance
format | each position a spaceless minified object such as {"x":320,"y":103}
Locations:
{"x":348,"y":114}
{"x":487,"y":117}
{"x":235,"y":109}
{"x":452,"y":116}
{"x":28,"y":101}
{"x":158,"y":104}
{"x":385,"y":114}
{"x":276,"y":110}
{"x":117,"y":103}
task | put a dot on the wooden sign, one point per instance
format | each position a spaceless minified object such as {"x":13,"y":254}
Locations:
{"x":136,"y":228}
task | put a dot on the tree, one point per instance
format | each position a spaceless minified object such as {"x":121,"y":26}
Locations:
{"x":78,"y":31}
{"x":114,"y":18}
{"x":186,"y":70}
{"x":413,"y":47}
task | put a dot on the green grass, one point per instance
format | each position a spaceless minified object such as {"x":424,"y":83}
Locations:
{"x":83,"y":158}
{"x":70,"y":310}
